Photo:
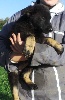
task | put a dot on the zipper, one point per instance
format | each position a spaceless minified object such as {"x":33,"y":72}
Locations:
{"x":32,"y":91}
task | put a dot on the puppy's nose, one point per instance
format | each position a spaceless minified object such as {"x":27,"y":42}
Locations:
{"x":50,"y":29}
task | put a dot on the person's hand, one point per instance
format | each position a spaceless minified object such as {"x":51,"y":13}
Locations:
{"x":17,"y":47}
{"x":17,"y":43}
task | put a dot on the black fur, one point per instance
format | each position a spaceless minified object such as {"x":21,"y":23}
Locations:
{"x":35,"y":21}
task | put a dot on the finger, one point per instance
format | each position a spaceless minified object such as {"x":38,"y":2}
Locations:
{"x":20,"y":42}
{"x":14,"y":46}
{"x":14,"y":37}
{"x":11,"y":40}
{"x":19,"y":39}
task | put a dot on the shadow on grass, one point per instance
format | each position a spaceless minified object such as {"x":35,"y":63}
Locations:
{"x":5,"y":97}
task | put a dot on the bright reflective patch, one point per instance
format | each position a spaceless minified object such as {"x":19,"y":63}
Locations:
{"x":58,"y":32}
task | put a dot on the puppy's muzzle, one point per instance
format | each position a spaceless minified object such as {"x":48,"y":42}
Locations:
{"x":49,"y":27}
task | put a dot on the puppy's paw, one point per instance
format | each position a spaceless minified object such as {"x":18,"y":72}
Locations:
{"x":33,"y":86}
{"x":29,"y":46}
{"x":56,"y":45}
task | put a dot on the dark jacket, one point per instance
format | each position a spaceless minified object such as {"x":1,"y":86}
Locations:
{"x":45,"y":77}
{"x":51,"y":79}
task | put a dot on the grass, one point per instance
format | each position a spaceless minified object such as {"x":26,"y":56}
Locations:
{"x":5,"y":92}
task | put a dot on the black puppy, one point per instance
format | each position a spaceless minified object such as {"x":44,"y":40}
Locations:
{"x":34,"y":22}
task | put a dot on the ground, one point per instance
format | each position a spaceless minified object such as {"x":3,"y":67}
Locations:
{"x":5,"y":92}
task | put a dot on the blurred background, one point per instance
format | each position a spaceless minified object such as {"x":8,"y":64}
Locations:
{"x":9,"y":7}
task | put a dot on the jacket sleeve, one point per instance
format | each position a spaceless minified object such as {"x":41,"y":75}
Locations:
{"x":45,"y":54}
{"x":4,"y":39}
{"x":4,"y":44}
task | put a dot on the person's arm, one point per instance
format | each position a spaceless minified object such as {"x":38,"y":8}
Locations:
{"x":4,"y":44}
{"x":45,"y":54}
{"x":4,"y":39}
{"x":5,"y":48}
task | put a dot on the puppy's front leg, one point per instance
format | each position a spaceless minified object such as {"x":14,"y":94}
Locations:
{"x":57,"y":46}
{"x":29,"y":46}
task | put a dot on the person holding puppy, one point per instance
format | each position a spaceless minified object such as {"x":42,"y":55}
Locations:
{"x":49,"y":78}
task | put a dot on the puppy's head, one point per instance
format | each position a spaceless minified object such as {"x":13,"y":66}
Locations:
{"x":40,"y":18}
{"x":35,"y":19}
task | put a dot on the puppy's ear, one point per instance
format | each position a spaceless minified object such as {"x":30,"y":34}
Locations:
{"x":27,"y":11}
